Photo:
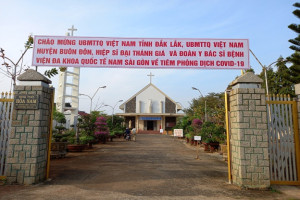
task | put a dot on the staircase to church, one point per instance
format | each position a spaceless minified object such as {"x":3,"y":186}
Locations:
{"x":148,"y":132}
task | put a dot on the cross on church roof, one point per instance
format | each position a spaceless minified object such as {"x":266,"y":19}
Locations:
{"x":72,"y":30}
{"x":150,"y":75}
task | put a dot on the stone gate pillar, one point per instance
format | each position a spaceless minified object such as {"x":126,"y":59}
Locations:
{"x":28,"y":142}
{"x":249,"y":133}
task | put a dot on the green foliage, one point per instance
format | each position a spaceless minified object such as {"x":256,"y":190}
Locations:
{"x":294,"y":70}
{"x":183,"y":123}
{"x":59,"y":117}
{"x":188,"y":135}
{"x":86,"y":122}
{"x":85,"y":138}
{"x":215,"y":104}
{"x":279,"y":81}
{"x":29,"y":42}
{"x":250,"y":70}
{"x":118,"y":123}
{"x":212,"y":132}
{"x":67,"y":136}
{"x":51,"y":72}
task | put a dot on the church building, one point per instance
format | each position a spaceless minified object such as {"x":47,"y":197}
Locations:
{"x":150,"y":111}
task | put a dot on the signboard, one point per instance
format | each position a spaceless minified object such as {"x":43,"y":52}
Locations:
{"x":198,"y":138}
{"x":26,"y":101}
{"x":178,"y":132}
{"x":150,"y":118}
{"x":163,"y":53}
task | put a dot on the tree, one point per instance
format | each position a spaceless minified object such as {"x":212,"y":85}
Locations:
{"x":87,"y":122}
{"x":282,"y":79}
{"x":295,"y":57}
{"x":59,"y":118}
{"x":11,"y":68}
{"x":279,"y":81}
{"x":118,"y":123}
{"x":214,"y":108}
{"x":271,"y":80}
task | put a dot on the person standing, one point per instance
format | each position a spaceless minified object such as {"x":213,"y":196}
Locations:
{"x":133,"y":133}
{"x":127,"y":134}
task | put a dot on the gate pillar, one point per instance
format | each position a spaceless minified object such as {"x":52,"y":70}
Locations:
{"x":249,"y":132}
{"x":28,"y":142}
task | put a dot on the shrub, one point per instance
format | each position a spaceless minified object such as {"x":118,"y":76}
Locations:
{"x":101,"y":131}
{"x":212,"y":132}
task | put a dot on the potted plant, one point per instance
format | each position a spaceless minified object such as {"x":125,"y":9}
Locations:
{"x":86,"y":140}
{"x":3,"y":180}
{"x":112,"y":134}
{"x":59,"y":144}
{"x":74,"y":144}
{"x":212,"y":135}
{"x":187,"y":137}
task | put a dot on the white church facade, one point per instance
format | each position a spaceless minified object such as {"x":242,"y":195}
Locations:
{"x":150,"y":111}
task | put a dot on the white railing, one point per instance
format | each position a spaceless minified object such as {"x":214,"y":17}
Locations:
{"x":6,"y":107}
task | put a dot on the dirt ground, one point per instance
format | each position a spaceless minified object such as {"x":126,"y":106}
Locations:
{"x":153,"y":167}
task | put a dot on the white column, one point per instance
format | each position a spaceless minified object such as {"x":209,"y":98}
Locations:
{"x":161,"y":107}
{"x":60,"y":98}
{"x":64,"y":85}
{"x":140,"y":108}
{"x":75,"y":93}
{"x":149,"y":106}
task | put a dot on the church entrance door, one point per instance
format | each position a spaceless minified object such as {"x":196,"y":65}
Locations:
{"x":150,"y":125}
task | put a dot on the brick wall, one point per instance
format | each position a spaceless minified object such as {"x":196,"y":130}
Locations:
{"x":170,"y":106}
{"x":131,"y":106}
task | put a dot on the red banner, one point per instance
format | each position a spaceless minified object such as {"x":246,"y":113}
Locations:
{"x":151,"y":53}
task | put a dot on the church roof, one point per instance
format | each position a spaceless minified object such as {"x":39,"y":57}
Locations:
{"x":142,"y":90}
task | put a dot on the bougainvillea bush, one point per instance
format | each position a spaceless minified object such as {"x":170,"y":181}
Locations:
{"x":101,"y":131}
{"x":196,"y":126}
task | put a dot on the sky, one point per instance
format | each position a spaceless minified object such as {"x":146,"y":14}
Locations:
{"x":264,"y":23}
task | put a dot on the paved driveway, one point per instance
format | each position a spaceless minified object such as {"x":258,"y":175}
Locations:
{"x":154,"y":167}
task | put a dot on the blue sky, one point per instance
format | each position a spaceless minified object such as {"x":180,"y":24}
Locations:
{"x":264,"y":23}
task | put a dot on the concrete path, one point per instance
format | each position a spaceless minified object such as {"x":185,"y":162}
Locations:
{"x":154,"y":167}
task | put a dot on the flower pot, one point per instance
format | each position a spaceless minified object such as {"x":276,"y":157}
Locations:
{"x":76,"y":147}
{"x":206,"y":146}
{"x":191,"y":142}
{"x":214,"y":146}
{"x":58,"y":149}
{"x":223,"y":148}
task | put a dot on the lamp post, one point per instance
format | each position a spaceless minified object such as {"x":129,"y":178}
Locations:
{"x":91,"y":98}
{"x":113,"y":110}
{"x":205,"y":114}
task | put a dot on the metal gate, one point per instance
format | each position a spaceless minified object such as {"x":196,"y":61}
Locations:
{"x":6,"y":107}
{"x":283,"y":136}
